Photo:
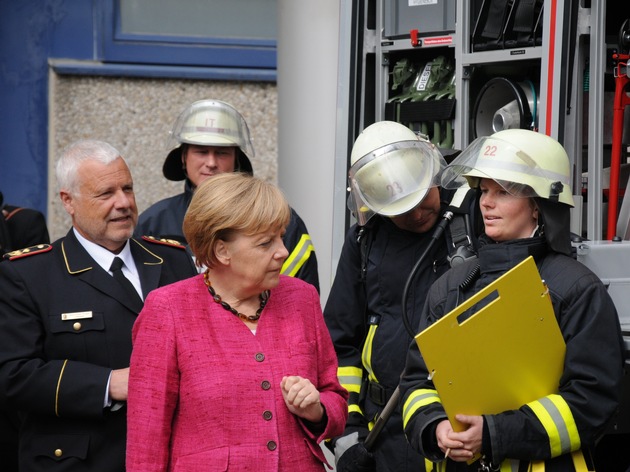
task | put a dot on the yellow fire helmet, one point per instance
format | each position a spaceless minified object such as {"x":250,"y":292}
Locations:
{"x":208,"y":123}
{"x":525,"y":163}
{"x":392,"y":170}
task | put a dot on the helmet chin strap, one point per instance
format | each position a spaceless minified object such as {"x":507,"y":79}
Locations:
{"x":183,"y":152}
{"x":554,"y":220}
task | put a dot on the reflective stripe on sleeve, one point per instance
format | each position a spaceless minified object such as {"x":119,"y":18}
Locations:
{"x":555,"y":415}
{"x":298,"y":257}
{"x":350,"y":378}
{"x":416,"y":400}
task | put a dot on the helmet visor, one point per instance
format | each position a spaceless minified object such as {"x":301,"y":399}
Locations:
{"x":211,"y":123}
{"x":393,"y":179}
{"x":512,"y":168}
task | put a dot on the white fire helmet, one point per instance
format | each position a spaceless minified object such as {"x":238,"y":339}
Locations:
{"x":392,"y":170}
{"x":208,"y":123}
{"x":525,"y":163}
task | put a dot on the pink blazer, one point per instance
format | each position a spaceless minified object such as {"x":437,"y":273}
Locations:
{"x":204,"y":391}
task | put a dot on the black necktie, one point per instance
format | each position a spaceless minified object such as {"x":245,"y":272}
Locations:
{"x":124,"y":281}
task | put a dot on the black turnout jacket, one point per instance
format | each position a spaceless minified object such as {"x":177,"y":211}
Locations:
{"x":589,"y":387}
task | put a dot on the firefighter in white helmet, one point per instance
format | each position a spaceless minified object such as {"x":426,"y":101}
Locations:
{"x":523,"y":178}
{"x":211,"y":137}
{"x":395,"y":197}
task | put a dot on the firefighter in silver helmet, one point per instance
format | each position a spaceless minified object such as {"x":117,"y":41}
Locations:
{"x":395,"y":197}
{"x":211,"y":137}
{"x":523,"y":180}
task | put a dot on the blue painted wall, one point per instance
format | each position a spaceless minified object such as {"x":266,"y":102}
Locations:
{"x":31,"y":31}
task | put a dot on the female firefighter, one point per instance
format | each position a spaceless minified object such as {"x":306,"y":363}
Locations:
{"x":524,"y":197}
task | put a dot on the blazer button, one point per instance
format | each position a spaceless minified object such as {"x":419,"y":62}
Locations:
{"x":58,"y":453}
{"x":265,"y":385}
{"x":267,"y":415}
{"x":272,"y":446}
{"x":76,"y":326}
{"x":260,"y":357}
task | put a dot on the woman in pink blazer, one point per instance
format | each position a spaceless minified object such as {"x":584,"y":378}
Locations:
{"x":233,"y":369}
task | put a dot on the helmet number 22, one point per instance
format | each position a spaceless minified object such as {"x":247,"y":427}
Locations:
{"x":490,"y":151}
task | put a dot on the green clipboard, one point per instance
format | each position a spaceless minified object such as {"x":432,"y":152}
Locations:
{"x":507,"y":354}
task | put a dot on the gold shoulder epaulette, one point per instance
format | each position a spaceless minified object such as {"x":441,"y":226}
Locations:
{"x":28,"y":251}
{"x":164,"y":241}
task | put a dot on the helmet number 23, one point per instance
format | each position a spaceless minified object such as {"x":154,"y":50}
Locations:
{"x":490,"y":151}
{"x":394,"y":189}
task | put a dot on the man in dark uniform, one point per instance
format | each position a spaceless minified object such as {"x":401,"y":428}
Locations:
{"x":65,"y":321}
{"x":398,"y":204}
{"x":19,"y":227}
{"x":211,"y":137}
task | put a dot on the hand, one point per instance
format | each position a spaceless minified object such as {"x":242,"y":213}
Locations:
{"x":302,"y":398}
{"x":118,"y":384}
{"x":464,"y":445}
{"x":356,"y":459}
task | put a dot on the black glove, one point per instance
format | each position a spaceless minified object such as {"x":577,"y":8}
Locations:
{"x":356,"y":459}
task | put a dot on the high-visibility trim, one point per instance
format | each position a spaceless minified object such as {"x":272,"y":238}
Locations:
{"x":434,"y":466}
{"x":416,"y":400}
{"x":366,"y":355}
{"x":354,"y":408}
{"x":538,"y":466}
{"x":556,"y":417}
{"x":510,"y":465}
{"x":350,"y":378}
{"x":579,"y":462}
{"x":63,"y":368}
{"x":298,"y":257}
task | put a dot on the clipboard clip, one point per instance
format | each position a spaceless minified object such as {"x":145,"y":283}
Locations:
{"x":487,"y":467}
{"x":546,"y":292}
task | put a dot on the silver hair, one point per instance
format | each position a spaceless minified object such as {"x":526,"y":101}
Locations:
{"x":77,"y":152}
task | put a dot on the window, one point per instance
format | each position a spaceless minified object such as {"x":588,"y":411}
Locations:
{"x":234,"y":34}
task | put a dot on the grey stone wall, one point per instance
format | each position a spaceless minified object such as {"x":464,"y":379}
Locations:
{"x":136,"y":115}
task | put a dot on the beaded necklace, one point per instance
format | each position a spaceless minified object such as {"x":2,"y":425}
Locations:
{"x":264,"y":297}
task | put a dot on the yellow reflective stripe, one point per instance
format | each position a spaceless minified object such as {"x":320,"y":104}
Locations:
{"x":366,"y":355}
{"x":350,"y":371}
{"x":556,"y":417}
{"x":354,"y":408}
{"x":298,"y":257}
{"x":579,"y":462}
{"x":350,"y":378}
{"x":434,"y":466}
{"x":510,"y":465}
{"x":418,"y":399}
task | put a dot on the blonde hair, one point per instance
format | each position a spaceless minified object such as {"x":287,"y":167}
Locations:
{"x":232,"y":203}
